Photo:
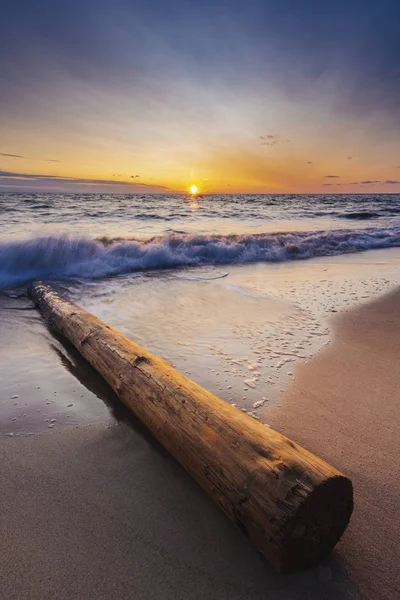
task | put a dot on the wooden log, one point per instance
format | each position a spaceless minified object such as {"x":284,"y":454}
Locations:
{"x":292,"y":504}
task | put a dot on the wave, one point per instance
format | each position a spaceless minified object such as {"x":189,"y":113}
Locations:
{"x":64,"y":257}
{"x":360,"y":215}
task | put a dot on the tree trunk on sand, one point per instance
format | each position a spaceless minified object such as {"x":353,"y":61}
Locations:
{"x":292,"y":504}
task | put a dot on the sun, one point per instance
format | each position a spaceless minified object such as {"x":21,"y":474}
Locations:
{"x":193,"y":189}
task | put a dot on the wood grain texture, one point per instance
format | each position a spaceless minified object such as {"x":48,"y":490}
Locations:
{"x":292,"y":504}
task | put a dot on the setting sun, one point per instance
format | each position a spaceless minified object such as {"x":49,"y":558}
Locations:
{"x":193,"y":189}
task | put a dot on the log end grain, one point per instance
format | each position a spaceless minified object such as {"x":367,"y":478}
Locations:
{"x":317,"y":526}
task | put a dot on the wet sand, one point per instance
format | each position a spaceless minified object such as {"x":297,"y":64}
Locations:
{"x":101,"y":511}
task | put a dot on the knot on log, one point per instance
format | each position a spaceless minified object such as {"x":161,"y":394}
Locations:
{"x":141,"y":359}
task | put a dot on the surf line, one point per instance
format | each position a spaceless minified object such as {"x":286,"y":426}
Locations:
{"x":292,"y":504}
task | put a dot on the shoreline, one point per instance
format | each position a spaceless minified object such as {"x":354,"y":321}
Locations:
{"x":100,"y":510}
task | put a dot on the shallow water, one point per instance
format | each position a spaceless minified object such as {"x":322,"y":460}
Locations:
{"x":241,"y":334}
{"x":235,"y":306}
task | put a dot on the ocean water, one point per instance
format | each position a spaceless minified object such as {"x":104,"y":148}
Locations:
{"x":235,"y":291}
{"x":89,"y":236}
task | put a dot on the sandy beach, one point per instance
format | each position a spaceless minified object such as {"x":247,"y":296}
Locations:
{"x":343,"y":406}
{"x":99,"y":510}
{"x":217,"y":182}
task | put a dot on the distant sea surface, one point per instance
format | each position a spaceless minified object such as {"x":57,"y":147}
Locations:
{"x":90,"y":236}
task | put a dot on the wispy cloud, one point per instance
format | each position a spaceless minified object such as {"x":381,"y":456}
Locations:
{"x":364,"y":182}
{"x":15,"y":179}
{"x":134,"y":176}
{"x":332,"y":176}
{"x":12,"y":155}
{"x":8,"y":155}
{"x":270,"y":139}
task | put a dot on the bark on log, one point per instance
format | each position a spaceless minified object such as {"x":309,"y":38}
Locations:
{"x":292,"y":504}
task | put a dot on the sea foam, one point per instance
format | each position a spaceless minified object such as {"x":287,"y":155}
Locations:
{"x":66,"y":257}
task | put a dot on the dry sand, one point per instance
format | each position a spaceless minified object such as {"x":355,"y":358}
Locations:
{"x":101,"y":511}
{"x":344,"y":406}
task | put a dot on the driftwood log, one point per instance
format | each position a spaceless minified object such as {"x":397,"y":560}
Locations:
{"x":293,"y":505}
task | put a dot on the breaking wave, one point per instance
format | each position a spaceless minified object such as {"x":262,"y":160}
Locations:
{"x":64,"y":257}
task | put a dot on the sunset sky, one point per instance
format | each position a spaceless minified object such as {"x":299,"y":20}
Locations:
{"x":235,"y":96}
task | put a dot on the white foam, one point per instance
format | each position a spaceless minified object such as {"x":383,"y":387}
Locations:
{"x":61,"y":257}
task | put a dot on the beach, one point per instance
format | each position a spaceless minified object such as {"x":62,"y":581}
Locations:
{"x":296,"y":326}
{"x":200,"y":300}
{"x":94,"y":508}
{"x":343,"y":406}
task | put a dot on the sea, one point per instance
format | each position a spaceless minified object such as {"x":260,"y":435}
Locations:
{"x":90,"y":236}
{"x":236,"y":291}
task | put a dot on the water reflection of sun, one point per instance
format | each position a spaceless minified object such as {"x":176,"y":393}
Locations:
{"x":194,"y":205}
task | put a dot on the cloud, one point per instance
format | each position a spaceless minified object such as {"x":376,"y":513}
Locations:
{"x":339,"y":184}
{"x":34,"y":181}
{"x":332,"y":176}
{"x":365,"y":182}
{"x":12,"y":155}
{"x":271,"y":139}
{"x":349,"y":158}
{"x":26,"y":157}
{"x":374,"y":181}
{"x":268,"y":140}
{"x":19,"y":175}
{"x":309,"y":162}
{"x":134,"y":176}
